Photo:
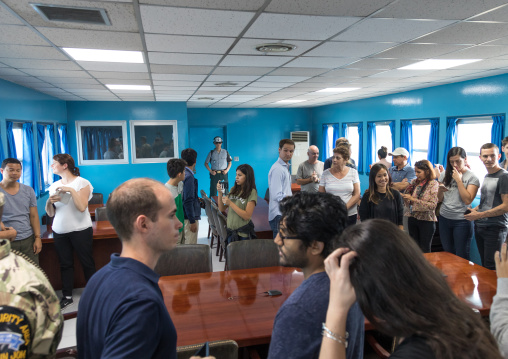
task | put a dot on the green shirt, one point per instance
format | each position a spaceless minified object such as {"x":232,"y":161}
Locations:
{"x":176,"y":191}
{"x":234,"y":220}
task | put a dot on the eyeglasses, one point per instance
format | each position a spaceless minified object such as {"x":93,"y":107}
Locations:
{"x":283,"y":237}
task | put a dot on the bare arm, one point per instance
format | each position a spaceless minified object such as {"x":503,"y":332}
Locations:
{"x":400,"y":186}
{"x":244,"y":214}
{"x":8,"y":232}
{"x":50,"y":208}
{"x":302,"y":181}
{"x":209,"y":169}
{"x":228,"y":167}
{"x":36,"y":227}
{"x":466,"y":194}
{"x":80,"y":197}
{"x":221,"y":205}
{"x":355,"y":197}
{"x":322,"y":189}
{"x":494,"y":212}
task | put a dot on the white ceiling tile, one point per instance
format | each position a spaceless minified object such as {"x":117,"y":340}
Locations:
{"x":245,"y":5}
{"x":86,"y":87}
{"x":175,"y":88}
{"x":188,"y":44}
{"x":125,"y":82}
{"x":299,"y":27}
{"x":178,"y":77}
{"x":258,"y":89}
{"x":238,"y":83}
{"x":219,"y":89}
{"x":7,"y":18}
{"x":56,"y":73}
{"x":119,"y":75}
{"x":287,"y":79}
{"x":112,"y":66}
{"x":390,"y":30}
{"x":186,"y":21}
{"x":12,"y":72}
{"x":180,"y":69}
{"x":380,"y":64}
{"x":40,"y":64}
{"x":477,"y":52}
{"x":438,"y":9}
{"x":183,"y":59}
{"x":176,"y":83}
{"x":248,"y":47}
{"x":349,"y":49}
{"x":93,"y":39}
{"x":501,"y":41}
{"x":298,"y":71}
{"x":255,"y":61}
{"x":31,"y":52}
{"x":500,"y":14}
{"x":19,"y":35}
{"x":467,"y":33}
{"x":483,"y":65}
{"x":66,"y":80}
{"x":327,"y":7}
{"x":233,"y":78}
{"x":173,"y":93}
{"x":419,"y":51}
{"x":320,"y":62}
{"x":401,"y":73}
{"x":246,"y":70}
{"x":353,"y":73}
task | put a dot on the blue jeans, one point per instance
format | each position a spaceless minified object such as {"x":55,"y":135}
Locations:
{"x":274,"y":225}
{"x":456,"y":235}
{"x":489,"y":240}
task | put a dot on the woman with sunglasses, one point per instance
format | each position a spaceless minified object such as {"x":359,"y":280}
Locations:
{"x":420,"y":199}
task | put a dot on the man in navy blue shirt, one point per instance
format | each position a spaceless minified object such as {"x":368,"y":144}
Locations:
{"x":190,"y":199}
{"x":309,"y":228}
{"x":122,"y":312}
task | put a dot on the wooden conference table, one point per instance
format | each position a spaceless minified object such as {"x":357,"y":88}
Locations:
{"x":231,"y":304}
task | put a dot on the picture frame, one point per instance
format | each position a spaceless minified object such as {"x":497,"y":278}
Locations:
{"x":153,"y":141}
{"x":102,"y":142}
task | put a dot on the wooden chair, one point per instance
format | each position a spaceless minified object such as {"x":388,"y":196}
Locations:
{"x":252,"y":253}
{"x":185,"y":259}
{"x":97,"y":198}
{"x":101,"y":214}
{"x":221,"y":349}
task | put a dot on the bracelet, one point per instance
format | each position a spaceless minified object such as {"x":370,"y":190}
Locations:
{"x":338,"y":338}
{"x":333,"y":334}
{"x":340,"y":341}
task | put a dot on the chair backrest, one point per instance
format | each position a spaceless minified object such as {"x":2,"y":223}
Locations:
{"x":252,"y":253}
{"x":101,"y":214}
{"x":267,"y":195}
{"x":96,"y":199}
{"x":47,"y":220}
{"x":221,"y":225}
{"x":203,"y":194}
{"x":221,"y":349}
{"x":185,"y":259}
{"x":209,"y":214}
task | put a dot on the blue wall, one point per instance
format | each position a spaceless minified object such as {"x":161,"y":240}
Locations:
{"x":23,"y":104}
{"x":105,"y":178}
{"x":252,"y":134}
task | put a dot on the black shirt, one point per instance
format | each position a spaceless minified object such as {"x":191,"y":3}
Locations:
{"x":391,"y":209}
{"x":413,"y":347}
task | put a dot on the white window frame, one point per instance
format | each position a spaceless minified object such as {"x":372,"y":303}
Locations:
{"x":82,"y":161}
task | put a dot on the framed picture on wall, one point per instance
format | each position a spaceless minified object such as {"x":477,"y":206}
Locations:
{"x":102,"y":142}
{"x":153,"y":141}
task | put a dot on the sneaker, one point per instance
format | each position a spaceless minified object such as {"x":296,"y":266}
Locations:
{"x":65,"y":302}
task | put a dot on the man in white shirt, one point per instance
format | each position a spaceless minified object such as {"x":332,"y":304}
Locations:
{"x":310,"y":171}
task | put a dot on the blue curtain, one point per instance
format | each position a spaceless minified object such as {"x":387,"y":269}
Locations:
{"x":336,"y":133}
{"x":359,"y":165}
{"x":371,"y":144}
{"x":41,"y":136}
{"x":451,"y":137}
{"x":63,"y":143}
{"x":11,"y":145}
{"x":29,"y":159}
{"x":392,"y":131}
{"x":96,"y":140}
{"x":52,"y":149}
{"x":406,"y":138}
{"x":497,"y":132}
{"x":344,"y":130}
{"x":432,"y":154}
{"x":326,"y":144}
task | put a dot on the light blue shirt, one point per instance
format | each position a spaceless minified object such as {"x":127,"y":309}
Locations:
{"x":406,"y":172}
{"x":279,"y":183}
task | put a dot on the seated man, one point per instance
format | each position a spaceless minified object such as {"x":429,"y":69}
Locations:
{"x":309,"y":228}
{"x":121,"y":312}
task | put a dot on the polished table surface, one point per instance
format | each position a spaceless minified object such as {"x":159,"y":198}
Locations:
{"x":231,"y":304}
{"x":92,"y":208}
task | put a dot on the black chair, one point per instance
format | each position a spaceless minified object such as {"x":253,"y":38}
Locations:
{"x":185,"y":259}
{"x":212,"y":228}
{"x":221,"y":222}
{"x":221,"y":349}
{"x":101,"y":214}
{"x":267,"y":195}
{"x":96,"y":199}
{"x":252,"y":253}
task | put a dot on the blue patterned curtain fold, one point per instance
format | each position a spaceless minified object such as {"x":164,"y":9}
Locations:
{"x":432,"y":154}
{"x":392,"y":131}
{"x":345,"y":131}
{"x":11,"y":145}
{"x":52,"y":149}
{"x":326,"y":144}
{"x":336,"y":133}
{"x":63,"y":143}
{"x":359,"y":165}
{"x":497,"y":132}
{"x":96,"y":140}
{"x":29,"y":159}
{"x":406,"y":138}
{"x":41,"y":136}
{"x":371,"y":144}
{"x":451,"y":137}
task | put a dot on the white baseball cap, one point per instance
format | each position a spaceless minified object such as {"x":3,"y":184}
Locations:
{"x":400,"y":151}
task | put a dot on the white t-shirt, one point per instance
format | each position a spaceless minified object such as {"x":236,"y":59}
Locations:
{"x":341,"y":187}
{"x":67,"y":217}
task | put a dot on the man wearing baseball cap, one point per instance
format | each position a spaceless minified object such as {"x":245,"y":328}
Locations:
{"x":401,"y":173}
{"x":220,"y":162}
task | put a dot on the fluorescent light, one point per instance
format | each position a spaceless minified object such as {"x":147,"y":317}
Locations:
{"x":434,"y":64}
{"x":130,"y":87}
{"x":135,"y":57}
{"x":338,"y":89}
{"x":290,"y":101}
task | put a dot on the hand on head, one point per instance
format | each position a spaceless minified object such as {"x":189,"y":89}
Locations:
{"x":501,"y":262}
{"x":342,"y":293}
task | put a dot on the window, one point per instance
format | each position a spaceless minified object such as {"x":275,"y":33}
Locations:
{"x":46,"y":157}
{"x":17,"y":130}
{"x":354,"y":140}
{"x":383,"y":137}
{"x":472,"y":133}
{"x":102,"y":142}
{"x":330,"y":139}
{"x":421,"y":134}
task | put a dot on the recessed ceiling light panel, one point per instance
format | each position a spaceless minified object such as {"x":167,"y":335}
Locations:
{"x":277,"y":48}
{"x":437,"y":64}
{"x":290,"y":101}
{"x":130,"y":87}
{"x":135,"y":57}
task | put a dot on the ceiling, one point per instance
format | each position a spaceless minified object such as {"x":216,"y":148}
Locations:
{"x":190,"y":46}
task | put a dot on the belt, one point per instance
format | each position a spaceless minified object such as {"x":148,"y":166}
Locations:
{"x":219,"y":171}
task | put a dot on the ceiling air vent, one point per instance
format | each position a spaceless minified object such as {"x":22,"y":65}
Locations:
{"x":84,"y":15}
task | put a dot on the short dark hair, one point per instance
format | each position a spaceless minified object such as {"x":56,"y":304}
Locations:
{"x":343,"y":151}
{"x":382,"y":152}
{"x":488,"y":146}
{"x":175,"y":166}
{"x":11,"y":160}
{"x":128,"y":201}
{"x":314,"y":217}
{"x":286,"y":141}
{"x":189,"y":155}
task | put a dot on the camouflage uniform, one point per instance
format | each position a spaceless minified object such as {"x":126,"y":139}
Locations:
{"x":30,"y":317}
